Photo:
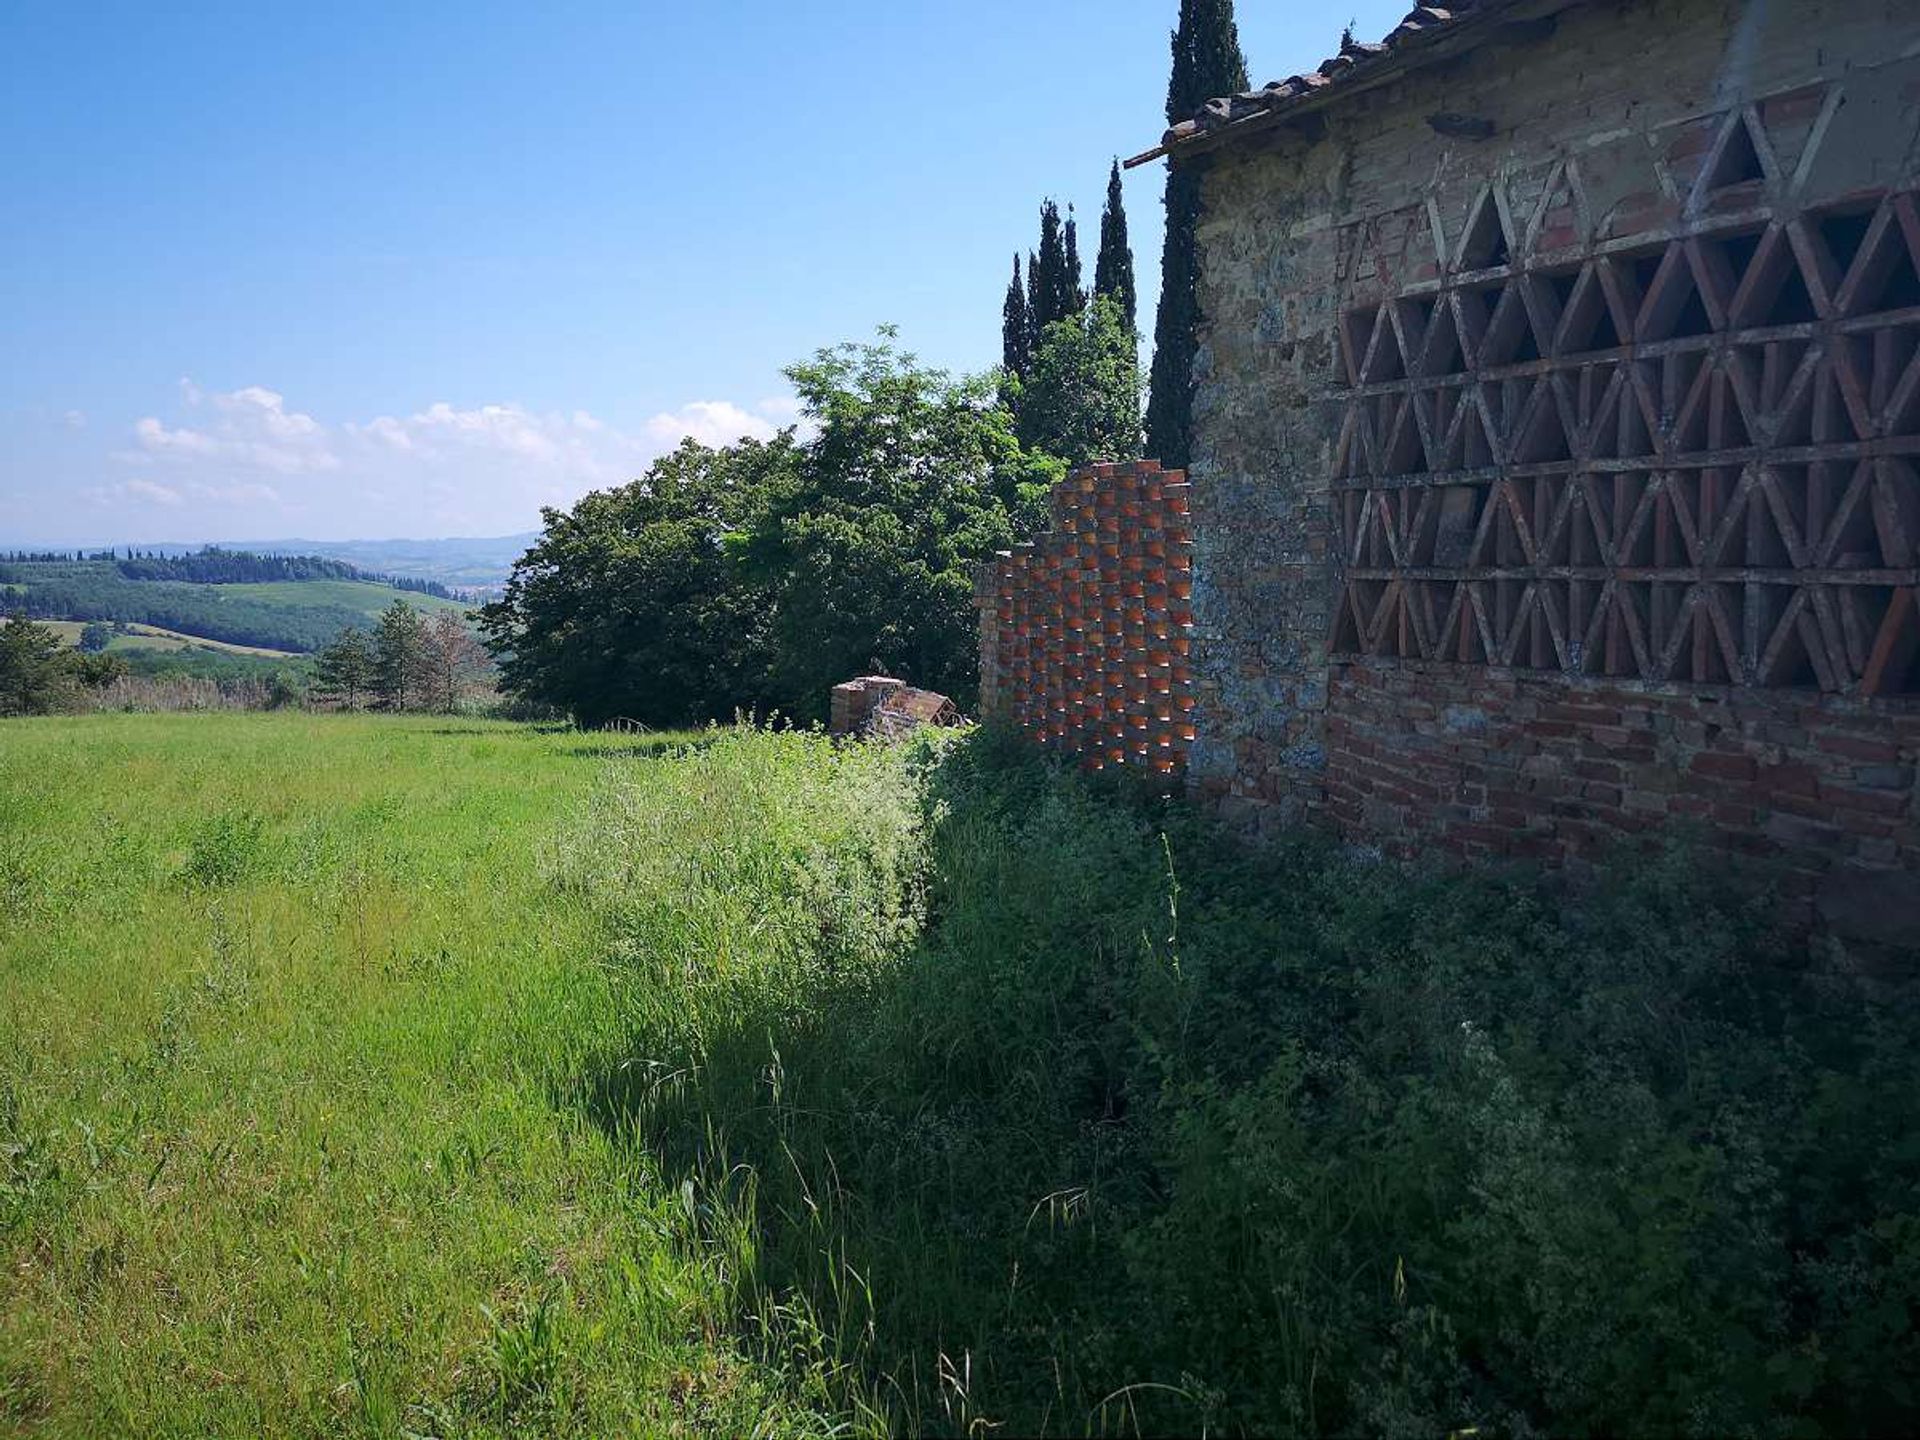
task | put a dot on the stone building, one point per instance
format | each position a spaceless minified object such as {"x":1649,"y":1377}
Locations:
{"x":1556,"y":462}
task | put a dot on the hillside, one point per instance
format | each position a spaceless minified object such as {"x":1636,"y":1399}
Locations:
{"x":151,"y":638}
{"x":278,"y":614}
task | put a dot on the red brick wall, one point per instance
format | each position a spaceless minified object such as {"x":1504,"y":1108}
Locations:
{"x":1424,"y":756}
{"x":1085,"y":631}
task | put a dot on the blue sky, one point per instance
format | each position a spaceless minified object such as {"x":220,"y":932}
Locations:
{"x":368,"y":270}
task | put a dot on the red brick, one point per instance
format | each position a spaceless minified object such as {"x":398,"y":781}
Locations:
{"x":1726,"y":767}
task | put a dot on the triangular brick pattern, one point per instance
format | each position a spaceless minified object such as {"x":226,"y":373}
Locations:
{"x":1085,"y":631}
{"x":1688,"y":454}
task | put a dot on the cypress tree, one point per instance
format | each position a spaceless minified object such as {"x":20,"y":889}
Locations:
{"x":1113,"y":267}
{"x":1016,"y":337}
{"x":1033,"y":302}
{"x":1051,"y":282}
{"x":1206,"y":63}
{"x":1075,"y":296}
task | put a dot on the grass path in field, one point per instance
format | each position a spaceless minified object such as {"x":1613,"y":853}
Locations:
{"x":290,"y":1012}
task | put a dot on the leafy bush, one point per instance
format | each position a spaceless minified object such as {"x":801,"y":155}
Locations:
{"x":1034,"y":1103}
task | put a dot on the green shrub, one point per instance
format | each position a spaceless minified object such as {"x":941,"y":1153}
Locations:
{"x":1038,"y":1104}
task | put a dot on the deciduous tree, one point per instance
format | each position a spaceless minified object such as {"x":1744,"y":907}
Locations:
{"x":637,"y":603}
{"x":1082,"y":402}
{"x":453,"y":658}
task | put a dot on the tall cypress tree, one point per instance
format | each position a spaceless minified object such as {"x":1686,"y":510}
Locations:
{"x":1206,"y":63}
{"x":1075,"y":296}
{"x":1034,"y":305}
{"x":1113,"y":267}
{"x":1051,"y":280}
{"x":1016,"y":333}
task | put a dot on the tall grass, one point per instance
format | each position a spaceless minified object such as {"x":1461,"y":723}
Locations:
{"x":1021,"y":1105}
{"x":288,"y":1008}
{"x":385,"y":1076}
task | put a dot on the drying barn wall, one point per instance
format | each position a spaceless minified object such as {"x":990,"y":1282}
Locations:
{"x":1554,"y":487}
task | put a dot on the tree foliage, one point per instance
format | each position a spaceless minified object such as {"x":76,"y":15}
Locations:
{"x":399,"y":657}
{"x":1113,"y":266}
{"x":1075,"y":295}
{"x":1206,"y":63}
{"x":759,"y":575}
{"x":636,"y":604}
{"x":913,"y":476}
{"x":343,"y":671}
{"x":35,"y":670}
{"x":1055,"y":276}
{"x":1016,"y":332}
{"x":1082,"y":400}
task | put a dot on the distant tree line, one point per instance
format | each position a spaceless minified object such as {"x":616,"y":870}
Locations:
{"x":212,"y":565}
{"x":67,"y":589}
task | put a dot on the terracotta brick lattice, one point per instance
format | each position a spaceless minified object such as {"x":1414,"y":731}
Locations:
{"x":1690,"y":453}
{"x":1085,"y":631}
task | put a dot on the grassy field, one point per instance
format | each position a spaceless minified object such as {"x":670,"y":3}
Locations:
{"x":418,"y":1078}
{"x":152,"y":637}
{"x":366,"y":596}
{"x":288,"y":1002}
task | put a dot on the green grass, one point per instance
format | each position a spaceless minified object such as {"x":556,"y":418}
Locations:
{"x":389,"y":1077}
{"x":367,"y":597}
{"x":288,"y":1006}
{"x":153,"y":638}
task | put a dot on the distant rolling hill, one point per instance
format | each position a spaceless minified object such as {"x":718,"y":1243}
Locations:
{"x":283,"y":614}
{"x":152,"y":637}
{"x":477,"y":564}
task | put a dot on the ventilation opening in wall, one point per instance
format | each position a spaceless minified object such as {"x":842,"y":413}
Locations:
{"x":1586,"y":320}
{"x":1764,"y":283}
{"x":1674,"y":459}
{"x":1484,"y":244}
{"x":1738,"y":162}
{"x":1892,"y":660}
{"x":1842,"y":232}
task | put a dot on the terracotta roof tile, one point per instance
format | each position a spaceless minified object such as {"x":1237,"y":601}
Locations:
{"x":1356,"y":59}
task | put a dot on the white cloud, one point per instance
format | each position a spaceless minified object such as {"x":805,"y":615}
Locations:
{"x":711,"y":422}
{"x":147,"y":490}
{"x":74,"y":419}
{"x":250,"y":426}
{"x":248,"y":462}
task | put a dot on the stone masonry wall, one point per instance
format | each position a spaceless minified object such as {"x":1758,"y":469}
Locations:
{"x":1554,"y":486}
{"x":1085,"y":631}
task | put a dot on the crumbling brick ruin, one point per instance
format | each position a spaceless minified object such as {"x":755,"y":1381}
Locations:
{"x":1556,"y":464}
{"x":1085,"y":631}
{"x":881,"y":707}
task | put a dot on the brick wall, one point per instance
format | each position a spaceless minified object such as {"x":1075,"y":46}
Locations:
{"x":1555,"y":486}
{"x":1422,"y":755}
{"x":1085,"y":631}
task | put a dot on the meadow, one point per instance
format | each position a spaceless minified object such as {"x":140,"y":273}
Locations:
{"x":411,"y":1077}
{"x":288,"y":1000}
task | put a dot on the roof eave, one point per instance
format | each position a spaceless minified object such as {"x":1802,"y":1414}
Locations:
{"x":1421,"y":47}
